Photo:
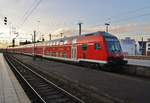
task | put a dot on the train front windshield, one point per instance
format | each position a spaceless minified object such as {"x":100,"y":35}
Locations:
{"x":113,"y":45}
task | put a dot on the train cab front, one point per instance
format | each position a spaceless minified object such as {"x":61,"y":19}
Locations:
{"x":116,"y":59}
{"x":115,"y":54}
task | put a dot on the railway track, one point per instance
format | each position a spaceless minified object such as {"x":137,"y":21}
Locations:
{"x":119,"y":70}
{"x":39,"y":89}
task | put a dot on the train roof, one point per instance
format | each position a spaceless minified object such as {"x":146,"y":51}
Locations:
{"x":103,"y":33}
{"x":65,"y":39}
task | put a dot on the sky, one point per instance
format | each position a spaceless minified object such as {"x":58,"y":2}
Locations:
{"x":126,"y":17}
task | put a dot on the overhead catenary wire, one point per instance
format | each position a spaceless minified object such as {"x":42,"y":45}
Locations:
{"x":30,"y":11}
{"x":112,"y":18}
{"x":132,"y":17}
{"x":130,"y":12}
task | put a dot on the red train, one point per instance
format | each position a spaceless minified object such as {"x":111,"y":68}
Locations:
{"x":98,"y":47}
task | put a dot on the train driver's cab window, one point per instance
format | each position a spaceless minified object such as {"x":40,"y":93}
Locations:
{"x":84,"y":47}
{"x":97,"y":46}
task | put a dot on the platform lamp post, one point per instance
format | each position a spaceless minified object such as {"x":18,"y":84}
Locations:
{"x":50,"y":37}
{"x":80,"y":23}
{"x":61,"y":35}
{"x":107,"y":24}
{"x":34,"y":40}
{"x":43,"y":38}
{"x":13,"y":42}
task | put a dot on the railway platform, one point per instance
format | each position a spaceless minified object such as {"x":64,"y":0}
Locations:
{"x":139,"y":62}
{"x":116,"y":87}
{"x":138,"y":67}
{"x":10,"y":89}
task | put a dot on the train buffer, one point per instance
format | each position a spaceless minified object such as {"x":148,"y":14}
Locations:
{"x":10,"y":89}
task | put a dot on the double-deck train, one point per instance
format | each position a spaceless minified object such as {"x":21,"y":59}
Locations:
{"x":100,"y":48}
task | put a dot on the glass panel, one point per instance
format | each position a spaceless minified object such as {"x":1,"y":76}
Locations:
{"x":84,"y":47}
{"x":113,"y":45}
{"x":97,"y":46}
{"x":65,"y":42}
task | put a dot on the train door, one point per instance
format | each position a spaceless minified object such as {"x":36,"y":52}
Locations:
{"x":74,"y":49}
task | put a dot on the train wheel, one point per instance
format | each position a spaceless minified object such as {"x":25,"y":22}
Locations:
{"x":97,"y":66}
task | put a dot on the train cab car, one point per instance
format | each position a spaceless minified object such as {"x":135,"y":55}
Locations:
{"x":92,"y":48}
{"x":100,"y":47}
{"x":115,"y":54}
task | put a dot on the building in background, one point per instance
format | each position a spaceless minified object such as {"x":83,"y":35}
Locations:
{"x":148,"y":48}
{"x":142,"y":47}
{"x":129,"y":46}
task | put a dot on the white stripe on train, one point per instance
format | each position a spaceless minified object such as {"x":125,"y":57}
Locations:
{"x":75,"y":60}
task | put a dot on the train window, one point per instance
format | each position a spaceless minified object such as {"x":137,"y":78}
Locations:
{"x":113,"y":45}
{"x":65,"y":42}
{"x":64,"y":55}
{"x":50,"y":43}
{"x":54,"y":43}
{"x":61,"y":42}
{"x":84,"y":47}
{"x":57,"y":43}
{"x":148,"y":44}
{"x":97,"y":46}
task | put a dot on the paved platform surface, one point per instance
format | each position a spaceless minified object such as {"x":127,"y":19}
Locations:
{"x":139,"y":62}
{"x":10,"y":89}
{"x":129,"y":89}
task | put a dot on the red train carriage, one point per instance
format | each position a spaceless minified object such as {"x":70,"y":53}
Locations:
{"x":98,"y":47}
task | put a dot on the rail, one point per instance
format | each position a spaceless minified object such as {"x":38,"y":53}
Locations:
{"x":43,"y":90}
